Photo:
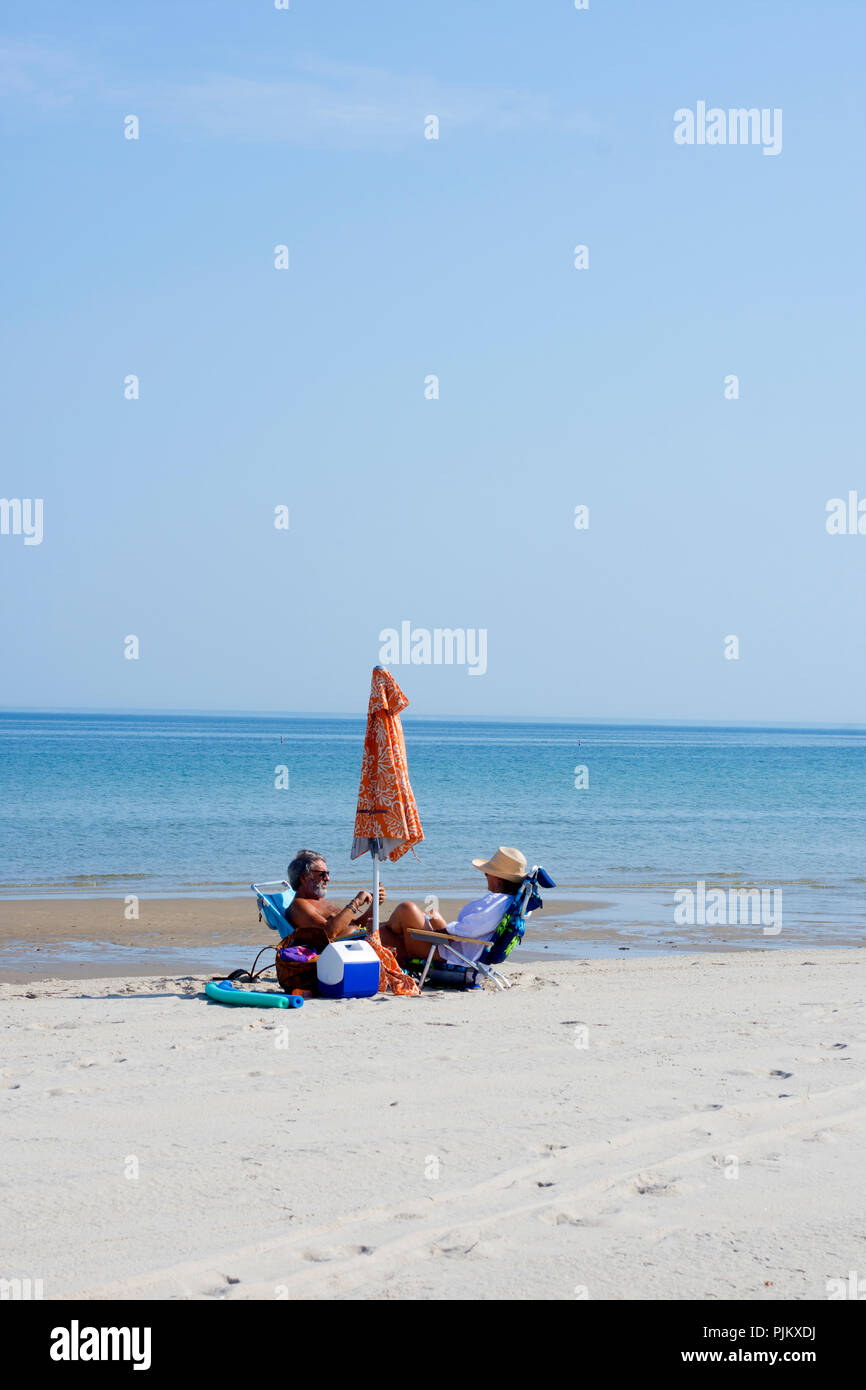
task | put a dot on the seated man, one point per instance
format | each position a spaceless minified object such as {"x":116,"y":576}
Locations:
{"x":311,"y":912}
{"x":504,"y":871}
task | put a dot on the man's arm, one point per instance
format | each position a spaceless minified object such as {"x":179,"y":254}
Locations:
{"x":343,"y":922}
{"x":306,"y":912}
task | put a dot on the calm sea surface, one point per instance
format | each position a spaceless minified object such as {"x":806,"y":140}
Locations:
{"x":187,"y":805}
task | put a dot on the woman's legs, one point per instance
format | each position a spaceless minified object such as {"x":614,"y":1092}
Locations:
{"x":396,"y":933}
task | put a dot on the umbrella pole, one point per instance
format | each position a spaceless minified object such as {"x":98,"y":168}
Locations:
{"x":375,"y":893}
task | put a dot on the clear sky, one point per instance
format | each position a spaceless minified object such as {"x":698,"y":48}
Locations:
{"x":411,"y":257}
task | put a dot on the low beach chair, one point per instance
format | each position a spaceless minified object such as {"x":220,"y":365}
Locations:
{"x":273,"y":900}
{"x":508,"y":934}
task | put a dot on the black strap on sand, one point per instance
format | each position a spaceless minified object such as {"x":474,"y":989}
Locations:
{"x":249,"y":976}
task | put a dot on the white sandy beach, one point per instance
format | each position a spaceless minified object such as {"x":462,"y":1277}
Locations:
{"x":706,"y":1141}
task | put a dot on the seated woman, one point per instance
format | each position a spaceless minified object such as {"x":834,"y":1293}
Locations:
{"x":504,"y":871}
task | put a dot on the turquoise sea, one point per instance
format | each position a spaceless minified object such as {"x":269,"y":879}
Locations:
{"x":177,"y":805}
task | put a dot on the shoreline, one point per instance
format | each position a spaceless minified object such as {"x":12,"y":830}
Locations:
{"x":105,"y":982}
{"x":79,"y":938}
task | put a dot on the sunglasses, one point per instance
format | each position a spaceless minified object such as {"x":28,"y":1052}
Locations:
{"x":319,"y":873}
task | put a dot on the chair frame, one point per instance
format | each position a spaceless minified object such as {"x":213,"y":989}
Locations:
{"x":261,"y":890}
{"x":439,"y":938}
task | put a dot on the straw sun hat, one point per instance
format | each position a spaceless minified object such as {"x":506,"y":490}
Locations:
{"x":506,"y":863}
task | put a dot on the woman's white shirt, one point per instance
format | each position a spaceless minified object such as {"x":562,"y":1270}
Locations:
{"x":480,"y":919}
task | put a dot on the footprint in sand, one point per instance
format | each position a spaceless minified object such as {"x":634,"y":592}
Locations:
{"x":336,"y":1252}
{"x":821,"y":1136}
{"x":467,"y":1245}
{"x":547,"y":1150}
{"x":652,"y":1186}
{"x":723,"y":1161}
{"x":567,"y":1218}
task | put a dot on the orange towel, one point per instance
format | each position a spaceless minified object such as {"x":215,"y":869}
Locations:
{"x":391,"y":976}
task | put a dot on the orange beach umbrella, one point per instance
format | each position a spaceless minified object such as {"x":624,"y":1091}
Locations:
{"x":386,"y":821}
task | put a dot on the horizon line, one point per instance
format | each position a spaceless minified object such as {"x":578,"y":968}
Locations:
{"x":595,"y":720}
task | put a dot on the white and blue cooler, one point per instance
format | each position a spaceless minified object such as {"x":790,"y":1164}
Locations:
{"x":348,"y":970}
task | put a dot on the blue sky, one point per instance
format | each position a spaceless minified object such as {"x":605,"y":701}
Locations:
{"x":453,"y":257}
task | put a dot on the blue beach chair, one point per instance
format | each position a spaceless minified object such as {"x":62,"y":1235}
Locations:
{"x":508,"y":934}
{"x":273,"y":900}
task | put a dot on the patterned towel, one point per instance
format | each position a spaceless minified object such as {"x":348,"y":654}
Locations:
{"x":391,"y":976}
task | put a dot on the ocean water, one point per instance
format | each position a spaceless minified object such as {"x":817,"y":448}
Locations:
{"x":109,"y":805}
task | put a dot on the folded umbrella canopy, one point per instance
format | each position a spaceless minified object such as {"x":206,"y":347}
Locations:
{"x":386,"y":821}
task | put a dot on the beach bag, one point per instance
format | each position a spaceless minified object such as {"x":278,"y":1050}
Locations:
{"x":296,"y":967}
{"x":297,"y":954}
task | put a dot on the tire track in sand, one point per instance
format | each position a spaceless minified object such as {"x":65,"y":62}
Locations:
{"x":480,"y":1207}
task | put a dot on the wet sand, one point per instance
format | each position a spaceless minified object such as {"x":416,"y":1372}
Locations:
{"x":89,"y":938}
